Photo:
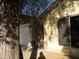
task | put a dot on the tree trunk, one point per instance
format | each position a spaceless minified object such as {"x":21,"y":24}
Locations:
{"x":9,"y":36}
{"x":9,"y":46}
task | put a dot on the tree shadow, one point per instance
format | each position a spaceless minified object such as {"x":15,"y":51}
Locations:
{"x":34,"y":50}
{"x":21,"y":54}
{"x":41,"y":56}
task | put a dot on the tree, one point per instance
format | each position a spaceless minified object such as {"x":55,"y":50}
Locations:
{"x":9,"y":24}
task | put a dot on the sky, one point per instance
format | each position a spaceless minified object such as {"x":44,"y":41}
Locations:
{"x":31,"y":8}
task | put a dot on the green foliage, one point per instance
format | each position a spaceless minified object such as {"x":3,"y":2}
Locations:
{"x":9,"y":18}
{"x":61,"y":6}
{"x":52,"y":16}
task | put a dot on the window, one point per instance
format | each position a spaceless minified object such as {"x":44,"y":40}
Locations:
{"x":68,"y":29}
{"x":64,"y":31}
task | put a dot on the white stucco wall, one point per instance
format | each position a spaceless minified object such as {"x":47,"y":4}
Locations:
{"x":51,"y":40}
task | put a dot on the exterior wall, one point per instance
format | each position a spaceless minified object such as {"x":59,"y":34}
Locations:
{"x":51,"y":38}
{"x":70,"y":10}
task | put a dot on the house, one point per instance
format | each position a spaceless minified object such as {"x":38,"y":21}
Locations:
{"x":56,"y":28}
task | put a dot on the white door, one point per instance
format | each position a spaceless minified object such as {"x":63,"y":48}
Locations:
{"x":25,"y":34}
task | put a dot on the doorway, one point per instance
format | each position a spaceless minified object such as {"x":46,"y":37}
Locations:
{"x":74,"y":21}
{"x":25,"y":35}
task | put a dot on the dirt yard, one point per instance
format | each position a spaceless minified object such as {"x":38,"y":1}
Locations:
{"x":48,"y":55}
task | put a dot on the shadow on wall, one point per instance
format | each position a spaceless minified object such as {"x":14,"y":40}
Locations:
{"x":34,"y":49}
{"x":41,"y":56}
{"x":21,"y":54}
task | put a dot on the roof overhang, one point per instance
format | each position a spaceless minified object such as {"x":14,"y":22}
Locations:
{"x":34,"y":8}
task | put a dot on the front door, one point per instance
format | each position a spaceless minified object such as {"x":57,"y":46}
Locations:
{"x":25,"y":35}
